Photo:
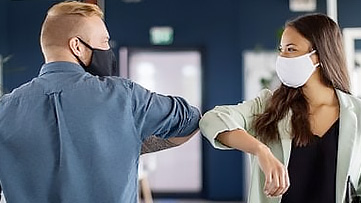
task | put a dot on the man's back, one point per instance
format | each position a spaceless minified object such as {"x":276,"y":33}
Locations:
{"x":67,"y":136}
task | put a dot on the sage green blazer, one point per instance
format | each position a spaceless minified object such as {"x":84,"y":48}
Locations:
{"x":231,"y":117}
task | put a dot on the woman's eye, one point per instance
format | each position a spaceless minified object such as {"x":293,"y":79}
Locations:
{"x":291,"y":49}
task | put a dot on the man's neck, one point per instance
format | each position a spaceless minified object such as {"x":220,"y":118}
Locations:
{"x":59,"y":57}
{"x":53,"y":54}
{"x":55,"y":59}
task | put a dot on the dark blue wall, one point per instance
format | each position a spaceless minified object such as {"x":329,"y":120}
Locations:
{"x":3,"y":32}
{"x":349,"y":13}
{"x":3,"y":26}
{"x":23,"y":26}
{"x":221,"y":29}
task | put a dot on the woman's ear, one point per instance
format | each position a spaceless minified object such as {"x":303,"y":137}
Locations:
{"x":315,"y":58}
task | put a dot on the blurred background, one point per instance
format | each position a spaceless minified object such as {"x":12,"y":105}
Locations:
{"x":212,"y":52}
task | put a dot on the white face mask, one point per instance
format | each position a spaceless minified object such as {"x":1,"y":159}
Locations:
{"x":294,"y":72}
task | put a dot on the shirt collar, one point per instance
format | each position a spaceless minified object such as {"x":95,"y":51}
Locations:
{"x":60,"y":66}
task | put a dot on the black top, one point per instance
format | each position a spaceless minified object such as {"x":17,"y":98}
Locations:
{"x":312,"y":170}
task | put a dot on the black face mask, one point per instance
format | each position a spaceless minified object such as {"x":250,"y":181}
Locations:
{"x":102,"y":63}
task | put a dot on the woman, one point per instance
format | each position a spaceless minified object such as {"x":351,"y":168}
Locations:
{"x":305,"y":137}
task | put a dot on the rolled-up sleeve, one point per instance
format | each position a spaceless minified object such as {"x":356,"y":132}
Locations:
{"x":162,"y":116}
{"x":232,"y":117}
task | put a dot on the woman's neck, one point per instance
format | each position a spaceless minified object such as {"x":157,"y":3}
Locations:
{"x":318,"y":94}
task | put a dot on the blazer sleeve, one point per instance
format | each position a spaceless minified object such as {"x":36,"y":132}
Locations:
{"x":232,"y":117}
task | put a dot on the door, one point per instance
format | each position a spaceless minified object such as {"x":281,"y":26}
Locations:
{"x":169,"y":72}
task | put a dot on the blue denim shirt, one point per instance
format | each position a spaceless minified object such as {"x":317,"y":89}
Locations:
{"x":70,"y":137}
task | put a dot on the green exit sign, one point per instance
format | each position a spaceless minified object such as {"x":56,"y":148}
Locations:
{"x":161,"y":35}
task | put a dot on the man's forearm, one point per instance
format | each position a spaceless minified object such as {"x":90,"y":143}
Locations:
{"x":154,"y":144}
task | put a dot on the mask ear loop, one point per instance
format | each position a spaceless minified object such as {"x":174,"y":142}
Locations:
{"x":312,"y":52}
{"x":86,"y":44}
{"x":77,"y":57}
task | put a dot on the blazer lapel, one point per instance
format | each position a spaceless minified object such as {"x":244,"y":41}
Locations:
{"x":347,"y":133}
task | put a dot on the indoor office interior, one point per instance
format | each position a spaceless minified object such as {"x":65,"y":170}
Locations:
{"x":212,"y":52}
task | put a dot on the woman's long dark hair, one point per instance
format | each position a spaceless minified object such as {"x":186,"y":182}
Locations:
{"x":325,"y":37}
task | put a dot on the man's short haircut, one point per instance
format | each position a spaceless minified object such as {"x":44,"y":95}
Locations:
{"x":75,"y":8}
{"x":65,"y":20}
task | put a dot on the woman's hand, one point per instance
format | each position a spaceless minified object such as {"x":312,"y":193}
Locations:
{"x":277,"y":180}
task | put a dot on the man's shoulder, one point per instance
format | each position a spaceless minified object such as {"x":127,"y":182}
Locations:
{"x":22,"y":90}
{"x":117,"y":81}
{"x":108,"y":83}
{"x":84,"y":84}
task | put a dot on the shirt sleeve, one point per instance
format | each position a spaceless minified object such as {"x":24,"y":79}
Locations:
{"x":232,"y":117}
{"x":162,"y":116}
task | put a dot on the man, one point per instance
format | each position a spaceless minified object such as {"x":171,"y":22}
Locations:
{"x":69,"y":136}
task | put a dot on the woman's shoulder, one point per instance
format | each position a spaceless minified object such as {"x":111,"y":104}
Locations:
{"x":259,"y":103}
{"x":264,"y":96}
{"x":265,"y":93}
